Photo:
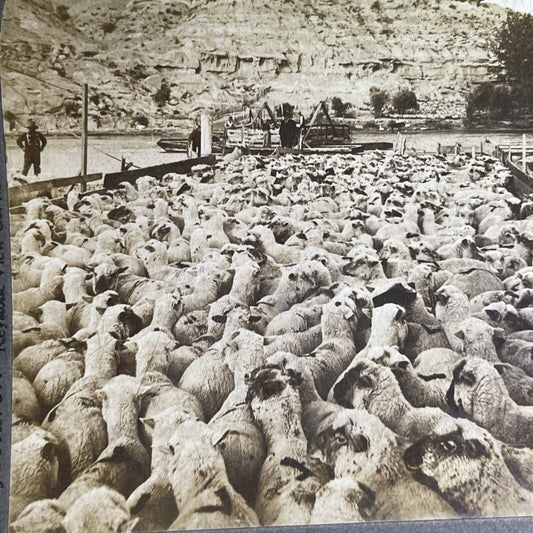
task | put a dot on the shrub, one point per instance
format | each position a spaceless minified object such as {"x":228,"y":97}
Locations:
{"x":62,"y":12}
{"x":108,"y":27}
{"x":72,"y":108}
{"x":404,"y":100}
{"x":339,"y":107}
{"x":378,"y":100}
{"x":140,"y":119}
{"x":490,"y":101}
{"x":376,"y":6}
{"x":162,"y":96}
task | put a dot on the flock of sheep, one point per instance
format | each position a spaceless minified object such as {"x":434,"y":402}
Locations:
{"x":298,"y":340}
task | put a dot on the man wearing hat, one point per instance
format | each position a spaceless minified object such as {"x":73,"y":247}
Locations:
{"x":33,"y":143}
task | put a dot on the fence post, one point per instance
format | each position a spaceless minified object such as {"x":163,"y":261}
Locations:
{"x":474,"y":151}
{"x":206,"y":134}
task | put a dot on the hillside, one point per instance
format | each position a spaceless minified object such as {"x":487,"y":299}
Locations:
{"x":223,"y":53}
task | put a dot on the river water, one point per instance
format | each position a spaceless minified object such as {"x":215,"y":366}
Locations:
{"x":62,"y":156}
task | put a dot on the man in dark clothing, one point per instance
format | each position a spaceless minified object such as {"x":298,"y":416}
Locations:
{"x":33,"y":143}
{"x":288,"y":132}
{"x":195,"y":140}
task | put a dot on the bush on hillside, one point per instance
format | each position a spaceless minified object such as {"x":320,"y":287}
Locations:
{"x":162,"y":96}
{"x":404,"y":100}
{"x":339,"y":107}
{"x":378,"y":100}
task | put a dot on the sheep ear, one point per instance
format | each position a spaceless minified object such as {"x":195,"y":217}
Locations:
{"x":29,"y":330}
{"x":517,"y":466}
{"x":149,"y":422}
{"x":86,"y":298}
{"x":467,"y":377}
{"x":219,"y":319}
{"x":48,"y":452}
{"x":121,"y":270}
{"x":137,"y":507}
{"x":460,"y":334}
{"x":493,"y":314}
{"x":114,"y":334}
{"x":500,"y":367}
{"x":254,"y":318}
{"x":498,"y":337}
{"x":218,"y":437}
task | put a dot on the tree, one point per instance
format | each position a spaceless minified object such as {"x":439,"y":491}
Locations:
{"x":339,"y":107}
{"x":378,"y":100}
{"x":514,"y":47}
{"x":404,"y":100}
{"x":162,"y":96}
{"x":491,"y":101}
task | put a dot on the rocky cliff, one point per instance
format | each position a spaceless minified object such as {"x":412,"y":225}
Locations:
{"x":222,"y":54}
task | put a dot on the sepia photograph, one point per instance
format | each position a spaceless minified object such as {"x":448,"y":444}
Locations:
{"x":270,"y":263}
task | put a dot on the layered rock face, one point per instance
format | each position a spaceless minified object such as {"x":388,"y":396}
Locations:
{"x":223,"y":53}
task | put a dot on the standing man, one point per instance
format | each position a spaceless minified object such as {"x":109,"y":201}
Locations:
{"x":195,"y":139}
{"x":33,"y":143}
{"x":288,"y":132}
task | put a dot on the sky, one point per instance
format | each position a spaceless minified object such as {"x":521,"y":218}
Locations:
{"x":526,"y":6}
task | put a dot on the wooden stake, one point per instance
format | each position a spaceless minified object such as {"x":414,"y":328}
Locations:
{"x":84,"y":131}
{"x":206,"y":139}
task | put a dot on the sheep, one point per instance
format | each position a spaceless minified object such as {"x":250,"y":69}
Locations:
{"x":518,"y":383}
{"x":452,"y":456}
{"x":359,"y":446}
{"x":24,"y":399}
{"x":55,"y":377}
{"x":42,"y":515}
{"x":474,"y":281}
{"x":30,"y":360}
{"x":479,"y":392}
{"x":54,"y":325}
{"x":479,"y":339}
{"x":101,"y":509}
{"x":34,"y":470}
{"x":204,"y":496}
{"x":276,"y":407}
{"x":451,"y":309}
{"x":158,"y":394}
{"x":78,"y":449}
{"x":373,"y":387}
{"x":50,"y":288}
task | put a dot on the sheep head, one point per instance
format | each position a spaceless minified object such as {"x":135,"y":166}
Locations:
{"x":463,"y":463}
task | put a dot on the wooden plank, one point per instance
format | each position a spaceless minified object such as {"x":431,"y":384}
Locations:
{"x":158,"y":171}
{"x":22,"y":193}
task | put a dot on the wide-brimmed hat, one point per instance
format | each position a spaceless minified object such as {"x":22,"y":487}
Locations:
{"x":32,"y":125}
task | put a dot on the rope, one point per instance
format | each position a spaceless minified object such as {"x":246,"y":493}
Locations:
{"x":101,"y":151}
{"x":43,"y":81}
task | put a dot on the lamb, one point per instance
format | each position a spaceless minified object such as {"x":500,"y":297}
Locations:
{"x":479,"y":392}
{"x":34,"y":470}
{"x":102,"y":355}
{"x":211,"y":502}
{"x":451,"y":458}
